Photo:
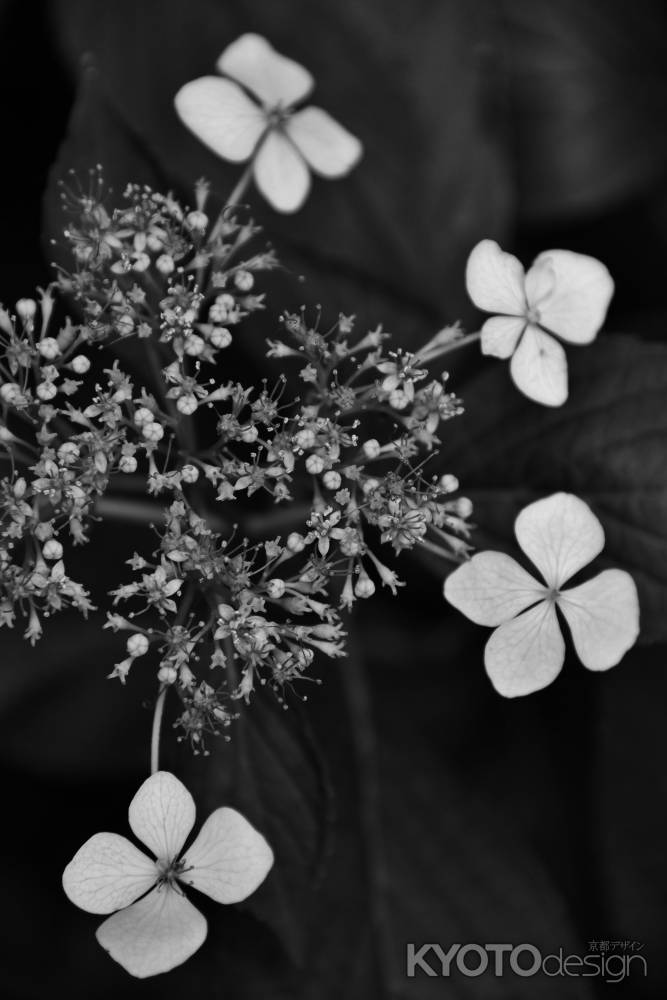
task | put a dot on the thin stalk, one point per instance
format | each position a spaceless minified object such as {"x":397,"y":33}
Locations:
{"x":157,"y":726}
{"x":242,"y":186}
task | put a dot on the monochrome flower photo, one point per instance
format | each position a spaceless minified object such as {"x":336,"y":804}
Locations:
{"x":333,"y":500}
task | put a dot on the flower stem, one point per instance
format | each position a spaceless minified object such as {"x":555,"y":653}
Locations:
{"x":454,"y":345}
{"x":157,"y":726}
{"x":242,"y":186}
{"x":234,"y":199}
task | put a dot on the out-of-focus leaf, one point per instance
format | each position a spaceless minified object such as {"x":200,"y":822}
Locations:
{"x":588,"y":96}
{"x":477,"y":820}
{"x":272,"y":771}
{"x":607,"y":444}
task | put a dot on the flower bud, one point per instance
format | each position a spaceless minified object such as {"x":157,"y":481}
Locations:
{"x":154,"y":242}
{"x":68,"y":452}
{"x":197,"y":221}
{"x":141,"y":262}
{"x":371,"y":448}
{"x":305,"y":438}
{"x":194,"y":345}
{"x":153,"y":431}
{"x":220,"y":337}
{"x":314,"y":464}
{"x":143,"y":416}
{"x":46,"y":391}
{"x":125,"y":325}
{"x":331,"y":480}
{"x":295,"y":542}
{"x":167,"y":675}
{"x":26,"y":309}
{"x":190,"y":473}
{"x":364,"y":587}
{"x":165,"y":264}
{"x":80,"y":364}
{"x":127,"y":463}
{"x":275,"y":588}
{"x":10,"y":392}
{"x":137,"y":645}
{"x":370,"y":484}
{"x":187,"y":404}
{"x":249,"y":434}
{"x":398,"y":399}
{"x":48,"y":348}
{"x":52,"y":549}
{"x":449,"y":483}
{"x":464,"y":507}
{"x":244,"y":280}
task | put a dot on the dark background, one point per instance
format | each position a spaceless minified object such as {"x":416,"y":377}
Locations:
{"x":415,"y":804}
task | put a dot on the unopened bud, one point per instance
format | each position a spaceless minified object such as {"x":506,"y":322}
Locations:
{"x":295,"y":542}
{"x":80,"y":364}
{"x":137,"y":645}
{"x":52,"y":549}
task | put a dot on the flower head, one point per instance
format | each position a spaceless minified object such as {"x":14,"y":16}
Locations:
{"x":155,"y":926}
{"x":564,"y":294}
{"x":285,"y":143}
{"x":561,"y":535}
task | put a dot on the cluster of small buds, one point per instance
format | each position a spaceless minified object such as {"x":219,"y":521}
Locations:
{"x":347,"y":460}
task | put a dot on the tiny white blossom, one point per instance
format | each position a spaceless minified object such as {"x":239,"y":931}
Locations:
{"x":564,"y":294}
{"x":285,"y":144}
{"x":525,"y":653}
{"x":155,"y":927}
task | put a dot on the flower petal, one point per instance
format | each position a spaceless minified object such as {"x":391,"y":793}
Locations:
{"x":281,"y":173}
{"x":221,"y":116}
{"x":108,"y":873}
{"x":329,"y":148}
{"x":526,"y":654}
{"x":583,"y":288}
{"x":539,"y":368}
{"x":495,"y":280}
{"x":500,"y":335}
{"x":491,"y":588}
{"x":603,"y":615}
{"x":540,"y":282}
{"x":274,"y":79}
{"x":229,"y":858}
{"x":162,"y":813}
{"x":154,"y":935}
{"x":560,"y":535}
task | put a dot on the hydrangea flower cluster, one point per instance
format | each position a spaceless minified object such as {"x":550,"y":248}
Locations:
{"x":85,"y":433}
